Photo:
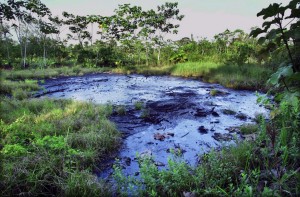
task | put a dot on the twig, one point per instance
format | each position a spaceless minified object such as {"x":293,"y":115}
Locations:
{"x":185,"y":134}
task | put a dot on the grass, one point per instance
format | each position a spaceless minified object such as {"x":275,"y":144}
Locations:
{"x":7,"y":86}
{"x":48,"y":72}
{"x":239,"y":170}
{"x":228,"y":112}
{"x":51,"y":147}
{"x":193,"y":69}
{"x":139,"y":105}
{"x":121,"y":110}
{"x":248,"y":76}
{"x":249,"y":128}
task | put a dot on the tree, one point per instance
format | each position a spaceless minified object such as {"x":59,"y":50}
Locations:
{"x":4,"y":35}
{"x":78,"y":27}
{"x":43,"y":23}
{"x":164,"y":20}
{"x":23,"y":14}
{"x":288,"y":75}
{"x":276,"y":30}
{"x":150,"y":27}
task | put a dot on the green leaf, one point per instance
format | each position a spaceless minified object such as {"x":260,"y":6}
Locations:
{"x":292,"y":98}
{"x":281,"y":73}
{"x":293,"y":4}
{"x":295,"y":13}
{"x":256,"y":32}
{"x":295,"y":25}
{"x":272,"y":34}
{"x":295,"y":77}
{"x":293,"y":33}
{"x":261,"y":40}
{"x":270,"y":11}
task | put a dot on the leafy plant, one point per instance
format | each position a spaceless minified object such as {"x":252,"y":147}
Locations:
{"x":288,"y":74}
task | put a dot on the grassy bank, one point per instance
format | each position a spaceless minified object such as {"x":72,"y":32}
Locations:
{"x":51,"y":147}
{"x":48,"y":72}
{"x":247,"y":76}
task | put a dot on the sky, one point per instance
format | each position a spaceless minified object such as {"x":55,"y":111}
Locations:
{"x":203,"y":18}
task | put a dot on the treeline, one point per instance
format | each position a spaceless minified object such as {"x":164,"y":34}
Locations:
{"x":30,"y":36}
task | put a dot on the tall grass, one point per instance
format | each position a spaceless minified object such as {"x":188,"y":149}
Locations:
{"x":48,"y":72}
{"x":247,"y":76}
{"x":51,"y":147}
{"x":193,"y":69}
{"x":19,"y":89}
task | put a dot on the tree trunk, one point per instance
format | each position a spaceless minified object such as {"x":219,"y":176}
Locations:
{"x":44,"y":55}
{"x":7,"y":48}
{"x":287,"y":47}
{"x":158,"y":55}
{"x":92,"y":34}
{"x":147,"y":56}
{"x":97,"y":57}
{"x":25,"y":53}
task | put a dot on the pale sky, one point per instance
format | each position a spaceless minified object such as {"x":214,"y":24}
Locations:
{"x":203,"y":18}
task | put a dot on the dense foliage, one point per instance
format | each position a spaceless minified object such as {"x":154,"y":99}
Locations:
{"x":131,"y":36}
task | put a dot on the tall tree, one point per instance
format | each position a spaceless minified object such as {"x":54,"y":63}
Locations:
{"x":150,"y":27}
{"x":23,"y":14}
{"x":78,"y":27}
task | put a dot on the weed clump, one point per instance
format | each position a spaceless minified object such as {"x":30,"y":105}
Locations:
{"x":138,"y":105}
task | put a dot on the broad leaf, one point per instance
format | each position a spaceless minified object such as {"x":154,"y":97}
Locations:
{"x":272,"y":34}
{"x":261,"y":40}
{"x":295,"y":25}
{"x":256,"y":32}
{"x":293,"y":33}
{"x":295,"y":13}
{"x":281,"y":73}
{"x":270,"y":11}
{"x":293,"y":4}
{"x":292,"y":98}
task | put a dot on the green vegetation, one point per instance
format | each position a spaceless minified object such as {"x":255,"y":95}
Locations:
{"x":48,"y":72}
{"x":268,"y":166}
{"x":51,"y":147}
{"x":17,"y":88}
{"x":249,"y":128}
{"x":145,"y":113}
{"x":121,"y":110}
{"x":138,"y":105}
